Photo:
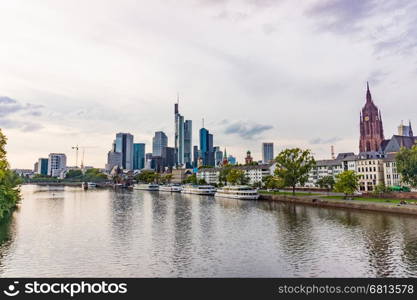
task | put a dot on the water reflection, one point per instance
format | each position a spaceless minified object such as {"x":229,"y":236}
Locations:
{"x":70,"y":232}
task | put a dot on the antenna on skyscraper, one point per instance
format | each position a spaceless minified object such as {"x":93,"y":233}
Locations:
{"x":332,"y":151}
{"x":203,"y":122}
{"x":178,"y":98}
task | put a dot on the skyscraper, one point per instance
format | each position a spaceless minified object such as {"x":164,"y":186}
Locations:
{"x":159,"y":141}
{"x":124,"y":145}
{"x":138,"y":156}
{"x":371,"y":129}
{"x":188,"y":133}
{"x":42,"y":166}
{"x":196,"y":155}
{"x":206,"y":147}
{"x":267,"y":152}
{"x":218,"y":156}
{"x":57,"y":162}
{"x":183,"y":135}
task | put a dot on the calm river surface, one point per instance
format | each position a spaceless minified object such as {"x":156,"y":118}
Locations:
{"x":70,"y":232}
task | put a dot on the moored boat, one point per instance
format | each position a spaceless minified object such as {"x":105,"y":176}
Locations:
{"x":199,"y":189}
{"x":146,"y":187}
{"x":242,"y":192}
{"x":170,"y":188}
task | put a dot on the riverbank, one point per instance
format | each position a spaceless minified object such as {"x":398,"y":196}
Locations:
{"x":324,"y":201}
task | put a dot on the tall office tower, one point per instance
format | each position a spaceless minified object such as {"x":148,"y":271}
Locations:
{"x":218,"y":156}
{"x":138,"y":156}
{"x":42,"y":166}
{"x":57,"y":162}
{"x":267,"y":152}
{"x":183,"y":138}
{"x":188,"y":140}
{"x":404,"y":130}
{"x":124,"y":145}
{"x":159,"y":141}
{"x":196,"y":155}
{"x":206,"y":147}
{"x":168,"y":157}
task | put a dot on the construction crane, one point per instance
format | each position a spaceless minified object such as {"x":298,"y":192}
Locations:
{"x":77,"y":148}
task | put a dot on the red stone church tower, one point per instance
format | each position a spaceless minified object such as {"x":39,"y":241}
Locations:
{"x":372,"y":132}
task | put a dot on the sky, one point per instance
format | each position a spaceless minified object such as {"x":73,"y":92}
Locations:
{"x":284,"y":71}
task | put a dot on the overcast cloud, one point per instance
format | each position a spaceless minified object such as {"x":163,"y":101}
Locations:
{"x":77,"y":72}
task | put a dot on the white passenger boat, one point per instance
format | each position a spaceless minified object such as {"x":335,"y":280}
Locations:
{"x":170,"y":188}
{"x":242,"y":192}
{"x":146,"y":187}
{"x":199,"y":189}
{"x":91,"y":184}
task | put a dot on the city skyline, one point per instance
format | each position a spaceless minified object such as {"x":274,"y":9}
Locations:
{"x":245,"y":67}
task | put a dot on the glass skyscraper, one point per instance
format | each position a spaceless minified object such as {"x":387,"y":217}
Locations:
{"x":138,"y":156}
{"x":183,"y":139}
{"x":159,"y":141}
{"x":124,"y":145}
{"x":267,"y":152}
{"x":206,"y":147}
{"x":188,"y":134}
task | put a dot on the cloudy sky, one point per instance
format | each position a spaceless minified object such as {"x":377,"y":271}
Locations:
{"x":291,"y":72}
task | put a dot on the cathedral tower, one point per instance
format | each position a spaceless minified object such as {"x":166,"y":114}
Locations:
{"x":371,"y":129}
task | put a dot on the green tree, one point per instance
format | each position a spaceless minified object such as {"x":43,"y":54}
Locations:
{"x":326,"y":182}
{"x":9,"y":182}
{"x":273,"y":182}
{"x":381,"y":189}
{"x":74,"y":174}
{"x":293,"y":166}
{"x":347,"y":183}
{"x":236,"y":176}
{"x":223,"y":174}
{"x":406,"y":160}
{"x":202,"y":181}
{"x":146,"y":176}
{"x":192,"y":179}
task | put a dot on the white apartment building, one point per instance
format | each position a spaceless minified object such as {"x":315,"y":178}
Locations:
{"x":391,"y":175}
{"x":370,"y":168}
{"x":254,"y":173}
{"x":57,"y":162}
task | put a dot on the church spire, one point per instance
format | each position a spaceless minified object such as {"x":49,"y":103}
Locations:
{"x":368,"y":93}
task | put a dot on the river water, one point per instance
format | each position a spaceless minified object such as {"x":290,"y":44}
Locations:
{"x":68,"y":232}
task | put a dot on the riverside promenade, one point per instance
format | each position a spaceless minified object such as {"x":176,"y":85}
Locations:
{"x":324,"y":200}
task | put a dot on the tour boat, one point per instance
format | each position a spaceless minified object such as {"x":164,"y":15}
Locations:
{"x":199,"y":189}
{"x":242,"y":192}
{"x":170,"y":188}
{"x":91,"y":184}
{"x":147,"y":187}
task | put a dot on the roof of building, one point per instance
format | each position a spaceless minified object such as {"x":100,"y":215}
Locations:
{"x":248,"y":167}
{"x":370,"y":155}
{"x":390,"y":156}
{"x":344,"y":155}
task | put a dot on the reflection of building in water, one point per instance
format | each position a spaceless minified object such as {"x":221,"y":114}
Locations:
{"x":122,"y":219}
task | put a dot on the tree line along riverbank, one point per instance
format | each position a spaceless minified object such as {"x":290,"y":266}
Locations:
{"x":9,"y":184}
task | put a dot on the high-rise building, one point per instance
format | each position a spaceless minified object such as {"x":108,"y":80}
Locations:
{"x":168,"y":157}
{"x":218,"y":156}
{"x":196,"y":155}
{"x":206,"y":147}
{"x":404,"y":130}
{"x":138,"y":156}
{"x":232,"y":160}
{"x":113,"y":159}
{"x":183,"y":138}
{"x":42,"y":166}
{"x":159,"y":141}
{"x":188,"y":140}
{"x":371,"y":129}
{"x":57,"y":162}
{"x":124,"y":145}
{"x":267,"y":152}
